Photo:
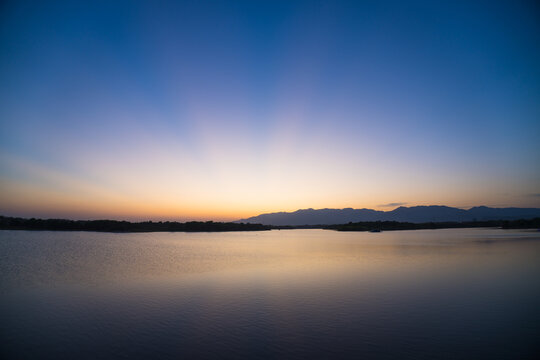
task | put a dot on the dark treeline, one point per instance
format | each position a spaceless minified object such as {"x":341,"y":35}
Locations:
{"x":12,"y":223}
{"x":395,"y":225}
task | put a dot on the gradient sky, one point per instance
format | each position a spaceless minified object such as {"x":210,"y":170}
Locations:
{"x":227,"y":109}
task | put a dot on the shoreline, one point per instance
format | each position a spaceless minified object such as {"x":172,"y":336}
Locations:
{"x":115,"y":226}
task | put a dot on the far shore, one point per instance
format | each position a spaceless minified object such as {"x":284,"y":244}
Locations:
{"x":115,"y":226}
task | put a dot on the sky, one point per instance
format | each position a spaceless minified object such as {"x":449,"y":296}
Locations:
{"x":220,"y":110}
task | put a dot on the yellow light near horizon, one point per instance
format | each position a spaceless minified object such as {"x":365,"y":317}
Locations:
{"x":224,"y":182}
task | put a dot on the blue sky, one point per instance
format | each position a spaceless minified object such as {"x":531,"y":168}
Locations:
{"x":220,"y":110}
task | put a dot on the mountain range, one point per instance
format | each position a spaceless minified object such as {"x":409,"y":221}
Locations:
{"x":414,"y":214}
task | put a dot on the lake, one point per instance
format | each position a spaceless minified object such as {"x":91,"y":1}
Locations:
{"x":294,"y":294}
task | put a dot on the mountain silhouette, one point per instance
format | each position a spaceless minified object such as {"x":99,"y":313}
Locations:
{"x":414,"y":214}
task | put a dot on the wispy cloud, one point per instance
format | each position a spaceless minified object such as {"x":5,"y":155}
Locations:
{"x":393,"y":204}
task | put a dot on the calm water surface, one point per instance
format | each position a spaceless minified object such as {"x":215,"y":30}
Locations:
{"x":445,"y":294}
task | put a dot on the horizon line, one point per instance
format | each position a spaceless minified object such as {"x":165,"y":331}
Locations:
{"x":235,"y":219}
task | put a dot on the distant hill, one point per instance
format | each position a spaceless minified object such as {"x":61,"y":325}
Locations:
{"x":414,"y":214}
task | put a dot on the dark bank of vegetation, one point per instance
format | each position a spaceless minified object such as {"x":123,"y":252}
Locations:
{"x":395,"y":225}
{"x":12,"y":223}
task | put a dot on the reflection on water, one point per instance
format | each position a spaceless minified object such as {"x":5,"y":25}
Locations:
{"x":459,"y":293}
